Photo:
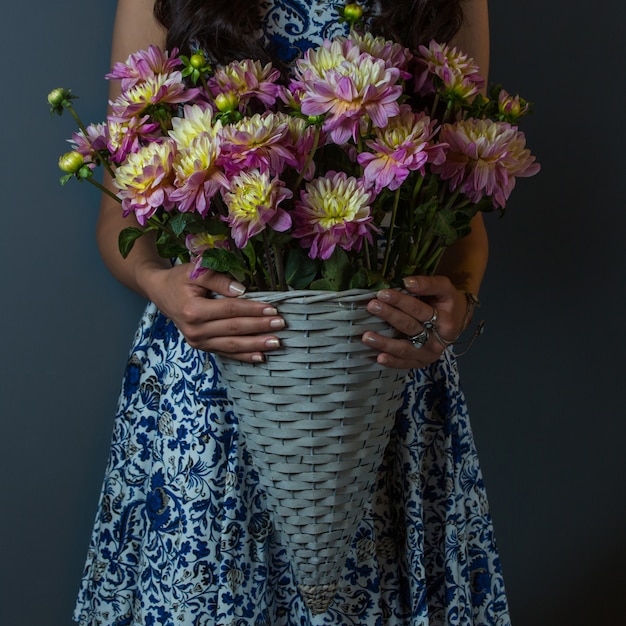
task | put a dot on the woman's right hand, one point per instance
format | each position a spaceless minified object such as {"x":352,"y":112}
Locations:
{"x":228,"y":326}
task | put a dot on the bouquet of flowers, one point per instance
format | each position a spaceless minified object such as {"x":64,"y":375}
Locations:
{"x":357,"y":171}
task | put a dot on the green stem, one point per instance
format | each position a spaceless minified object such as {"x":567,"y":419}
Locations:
{"x":77,"y":119}
{"x":102,"y":188}
{"x":394,"y":214}
{"x":268,"y":258}
{"x":280,"y":268}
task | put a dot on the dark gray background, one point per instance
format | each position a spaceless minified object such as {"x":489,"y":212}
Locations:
{"x":545,"y":382}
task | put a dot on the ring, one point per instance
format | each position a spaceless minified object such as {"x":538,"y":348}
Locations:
{"x":419,"y":340}
{"x":430,"y":324}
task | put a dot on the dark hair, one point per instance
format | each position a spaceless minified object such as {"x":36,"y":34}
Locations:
{"x":227,"y":29}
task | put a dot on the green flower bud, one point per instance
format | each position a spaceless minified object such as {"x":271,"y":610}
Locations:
{"x":71,"y":162}
{"x":353,"y":12}
{"x":226,"y":102}
{"x":315,"y":119}
{"x":57,"y":96}
{"x":197,"y":60}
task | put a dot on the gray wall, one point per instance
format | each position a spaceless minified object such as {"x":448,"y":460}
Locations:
{"x":544,"y":382}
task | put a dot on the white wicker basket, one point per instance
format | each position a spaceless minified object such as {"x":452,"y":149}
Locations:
{"x":316,"y":418}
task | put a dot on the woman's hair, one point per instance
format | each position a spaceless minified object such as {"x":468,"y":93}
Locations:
{"x":227,"y":29}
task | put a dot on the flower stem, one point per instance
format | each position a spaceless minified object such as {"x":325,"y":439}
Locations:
{"x":268,"y":258}
{"x":394,"y":214}
{"x":77,"y":119}
{"x":103,"y":189}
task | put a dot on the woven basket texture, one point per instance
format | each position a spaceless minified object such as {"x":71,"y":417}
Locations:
{"x":316,"y":418}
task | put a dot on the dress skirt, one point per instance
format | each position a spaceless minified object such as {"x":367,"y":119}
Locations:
{"x":182,"y":536}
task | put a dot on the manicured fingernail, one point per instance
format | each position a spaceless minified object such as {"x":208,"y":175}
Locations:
{"x":369,"y":338}
{"x":237,"y":288}
{"x":270,"y":310}
{"x":410,"y":282}
{"x":257,"y":358}
{"x":272,"y":343}
{"x":374,"y":306}
{"x":383,"y":295}
{"x":278,"y":322}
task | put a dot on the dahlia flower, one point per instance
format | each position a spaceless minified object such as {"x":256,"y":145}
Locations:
{"x":333,"y":210}
{"x":145,"y":180}
{"x":398,"y":149}
{"x":448,"y":71}
{"x":142,"y":65}
{"x":247,"y":79}
{"x":252,"y":200}
{"x":154,"y":90}
{"x":90,"y":144}
{"x":194,"y":121}
{"x":393,"y":54}
{"x":484,"y":158}
{"x":198,"y":178}
{"x":197,"y":244}
{"x":259,"y":141}
{"x":127,"y":135}
{"x":511,"y":108}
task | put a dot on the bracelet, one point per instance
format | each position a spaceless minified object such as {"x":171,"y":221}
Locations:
{"x":472,"y":302}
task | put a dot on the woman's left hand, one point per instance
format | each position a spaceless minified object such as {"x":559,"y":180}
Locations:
{"x":407,"y":314}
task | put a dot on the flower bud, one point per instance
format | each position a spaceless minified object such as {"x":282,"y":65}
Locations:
{"x":353,"y":12}
{"x":315,"y":119}
{"x":57,"y":96}
{"x":226,"y":102}
{"x":71,"y":162}
{"x":197,"y":60}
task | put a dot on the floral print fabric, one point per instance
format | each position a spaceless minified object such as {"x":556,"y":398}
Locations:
{"x":182,"y":536}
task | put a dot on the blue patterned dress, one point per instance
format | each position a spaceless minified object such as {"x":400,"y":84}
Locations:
{"x":182,"y":536}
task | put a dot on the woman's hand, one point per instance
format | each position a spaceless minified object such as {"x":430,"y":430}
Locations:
{"x":407,"y":314}
{"x":239,"y":329}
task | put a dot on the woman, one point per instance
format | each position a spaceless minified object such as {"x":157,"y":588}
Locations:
{"x":182,"y":535}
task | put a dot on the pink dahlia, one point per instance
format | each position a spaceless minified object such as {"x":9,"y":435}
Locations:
{"x":259,"y":141}
{"x":401,"y":147}
{"x":253,"y":200}
{"x":143,"y":65}
{"x":145,"y":180}
{"x":448,"y":71}
{"x":198,"y":177}
{"x":90,"y":144}
{"x":484,"y":158}
{"x":333,"y":210}
{"x":159,"y":89}
{"x":128,"y":135}
{"x":247,"y":79}
{"x":347,"y":88}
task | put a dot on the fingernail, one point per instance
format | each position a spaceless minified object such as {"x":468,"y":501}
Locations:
{"x":270,"y":310}
{"x":383,"y":295}
{"x":374,"y":306}
{"x":278,"y":322}
{"x":272,"y":343}
{"x":257,"y":358}
{"x":236,"y":288}
{"x":410,"y":282}
{"x":369,"y":338}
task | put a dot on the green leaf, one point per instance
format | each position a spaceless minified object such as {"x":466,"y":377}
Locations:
{"x":180,"y":222}
{"x":127,"y":238}
{"x":220,"y":260}
{"x":337,"y":270}
{"x":322,"y":284}
{"x":300,"y":269}
{"x":170,"y":248}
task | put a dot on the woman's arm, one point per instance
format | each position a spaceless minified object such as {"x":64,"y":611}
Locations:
{"x":462,"y":266}
{"x":219,"y":326}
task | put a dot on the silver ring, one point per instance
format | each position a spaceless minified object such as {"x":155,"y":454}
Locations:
{"x":419,"y":340}
{"x":430,"y":324}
